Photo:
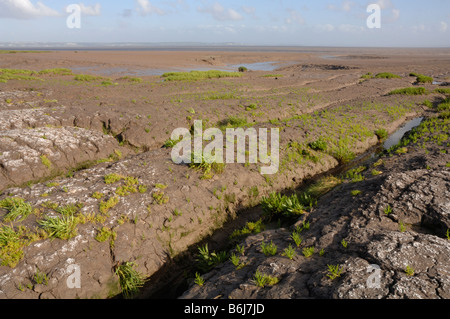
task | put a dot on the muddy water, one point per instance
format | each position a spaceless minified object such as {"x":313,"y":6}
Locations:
{"x":109,"y":71}
{"x":170,"y":282}
{"x":395,"y":138}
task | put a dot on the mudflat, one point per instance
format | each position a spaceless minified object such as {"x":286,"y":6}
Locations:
{"x":89,"y":191}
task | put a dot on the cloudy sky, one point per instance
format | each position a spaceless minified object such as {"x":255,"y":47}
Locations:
{"x":416,"y":23}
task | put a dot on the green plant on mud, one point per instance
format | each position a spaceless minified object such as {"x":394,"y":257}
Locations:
{"x":432,"y":131}
{"x":130,"y":279}
{"x":323,"y":185}
{"x":420,"y":78}
{"x":207,"y":260}
{"x":160,"y":197}
{"x":343,"y":153}
{"x":334,"y":271}
{"x":277,"y":204}
{"x":355,"y":192}
{"x":355,"y":174}
{"x":409,"y":271}
{"x":113,"y":178}
{"x":45,"y":161}
{"x":249,"y":229}
{"x":40,"y":278}
{"x":367,"y":76}
{"x":17,"y":74}
{"x":297,"y":238}
{"x":319,"y":145}
{"x":308,"y":251}
{"x":171,"y":143}
{"x":16,"y":207}
{"x":387,"y":210}
{"x":233,"y":122}
{"x":199,"y":75}
{"x":104,"y":207}
{"x":199,"y":280}
{"x":382,"y":134}
{"x":209,"y":167}
{"x":12,"y":243}
{"x":64,"y":227}
{"x":88,"y":78}
{"x":387,"y":75}
{"x":104,"y":234}
{"x":263,"y":280}
{"x":410,"y":91}
{"x":289,"y":252}
{"x":56,"y":71}
{"x":269,"y":249}
{"x":236,"y":261}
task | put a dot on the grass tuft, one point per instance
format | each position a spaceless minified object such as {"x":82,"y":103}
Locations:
{"x":199,"y":75}
{"x":420,"y":78}
{"x":387,"y":75}
{"x":409,"y":91}
{"x":16,"y":207}
{"x":64,"y":227}
{"x":130,"y":279}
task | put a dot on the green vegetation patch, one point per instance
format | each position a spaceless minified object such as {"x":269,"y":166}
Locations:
{"x":282,"y":205}
{"x":56,"y":71}
{"x":444,"y":105}
{"x":199,"y":75}
{"x":132,"y":79}
{"x":12,"y":243}
{"x":64,"y":227}
{"x":17,"y":74}
{"x":272,"y":76}
{"x":207,"y":260}
{"x":420,"y":78}
{"x":442,"y":90}
{"x":88,"y":78}
{"x":433,"y":131}
{"x":130,"y":279}
{"x":387,"y":75}
{"x":409,"y":91}
{"x":208,"y":167}
{"x":249,"y":229}
{"x":382,"y":134}
{"x":16,"y":207}
{"x":233,"y":122}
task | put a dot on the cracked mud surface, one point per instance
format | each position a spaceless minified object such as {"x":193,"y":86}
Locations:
{"x":60,"y":139}
{"x":417,"y":188}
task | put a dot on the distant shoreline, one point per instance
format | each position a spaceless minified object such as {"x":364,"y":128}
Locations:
{"x":192,"y":47}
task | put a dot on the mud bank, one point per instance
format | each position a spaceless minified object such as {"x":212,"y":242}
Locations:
{"x":384,"y":236}
{"x":88,"y":186}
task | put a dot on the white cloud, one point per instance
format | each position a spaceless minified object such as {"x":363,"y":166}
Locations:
{"x":443,"y":26}
{"x":384,"y":4}
{"x":25,"y":9}
{"x":94,"y":10}
{"x":325,"y":27}
{"x":395,"y":14}
{"x":249,"y":10}
{"x":144,"y":7}
{"x":218,"y":12}
{"x":294,"y":17}
{"x":345,"y":6}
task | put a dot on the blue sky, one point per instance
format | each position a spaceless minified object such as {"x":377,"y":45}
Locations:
{"x":255,"y":22}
